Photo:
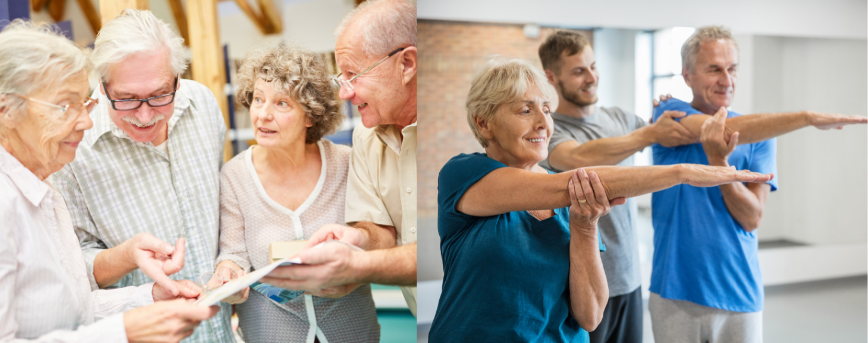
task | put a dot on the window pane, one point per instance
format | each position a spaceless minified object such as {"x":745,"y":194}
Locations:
{"x":673,"y":85}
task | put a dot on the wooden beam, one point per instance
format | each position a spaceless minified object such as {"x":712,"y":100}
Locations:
{"x":37,"y":5}
{"x":269,"y":12}
{"x":207,"y":61}
{"x":110,"y":9}
{"x":55,"y":9}
{"x":261,"y":23}
{"x":91,"y":14}
{"x":180,"y":19}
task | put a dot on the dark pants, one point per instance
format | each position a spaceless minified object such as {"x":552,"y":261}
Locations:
{"x":622,"y":320}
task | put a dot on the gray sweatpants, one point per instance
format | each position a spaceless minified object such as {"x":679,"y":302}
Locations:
{"x":679,"y":321}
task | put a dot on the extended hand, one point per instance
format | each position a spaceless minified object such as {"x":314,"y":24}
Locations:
{"x":227,"y":271}
{"x":588,"y":201}
{"x":670,"y":133}
{"x":825,"y":121}
{"x":713,"y":138}
{"x":165,"y":321}
{"x":330,"y":264}
{"x":349,"y":235}
{"x":187,"y":290}
{"x":710,"y":176}
{"x":157,"y":259}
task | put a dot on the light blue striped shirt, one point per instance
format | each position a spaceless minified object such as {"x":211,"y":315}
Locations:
{"x":117,"y":187}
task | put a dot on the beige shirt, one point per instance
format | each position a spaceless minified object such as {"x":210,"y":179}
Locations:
{"x":381,"y":186}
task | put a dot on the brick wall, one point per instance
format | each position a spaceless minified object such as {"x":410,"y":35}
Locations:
{"x":449,"y":55}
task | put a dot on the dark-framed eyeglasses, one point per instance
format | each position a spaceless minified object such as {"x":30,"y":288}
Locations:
{"x":132,"y":104}
{"x":340,"y":82}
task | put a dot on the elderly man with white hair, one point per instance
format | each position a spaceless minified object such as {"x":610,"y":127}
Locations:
{"x":376,"y":52}
{"x":151,"y":164}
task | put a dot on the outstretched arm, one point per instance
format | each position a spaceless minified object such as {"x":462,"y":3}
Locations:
{"x":610,"y":151}
{"x":763,"y":126}
{"x":512,"y":189}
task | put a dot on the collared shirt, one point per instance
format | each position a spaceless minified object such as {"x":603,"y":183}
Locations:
{"x":117,"y":187}
{"x":46,"y":294}
{"x":381,"y":187}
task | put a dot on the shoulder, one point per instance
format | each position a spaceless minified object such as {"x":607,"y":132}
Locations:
{"x":362,"y":134}
{"x":236,"y":165}
{"x":469,"y":164}
{"x":336,"y":153}
{"x":195,"y":89}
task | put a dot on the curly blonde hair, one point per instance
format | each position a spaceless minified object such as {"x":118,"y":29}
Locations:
{"x":299,"y":73}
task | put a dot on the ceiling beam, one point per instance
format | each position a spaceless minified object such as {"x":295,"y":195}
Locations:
{"x":55,"y":9}
{"x":261,"y":23}
{"x":180,"y":19}
{"x":269,"y":12}
{"x":110,"y":9}
{"x":91,"y":14}
{"x":37,"y":5}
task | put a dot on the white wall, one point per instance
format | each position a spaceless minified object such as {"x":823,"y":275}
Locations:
{"x":796,"y":18}
{"x":614,"y":52}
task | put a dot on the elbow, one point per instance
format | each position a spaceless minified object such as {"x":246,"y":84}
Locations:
{"x":591,"y":317}
{"x":752,"y":223}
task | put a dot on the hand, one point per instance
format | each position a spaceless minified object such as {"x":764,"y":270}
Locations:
{"x":341,"y":233}
{"x":713,"y":138}
{"x":662,"y":99}
{"x":227,"y":271}
{"x":329,"y":264}
{"x":157,"y":259}
{"x":670,"y":133}
{"x":825,"y":121}
{"x":709,"y":176}
{"x":588,"y":201}
{"x":165,"y":321}
{"x":187,"y":290}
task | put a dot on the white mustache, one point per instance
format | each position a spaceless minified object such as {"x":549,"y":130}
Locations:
{"x":135,"y":121}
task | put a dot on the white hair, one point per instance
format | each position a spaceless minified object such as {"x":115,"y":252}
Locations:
{"x":33,"y":57}
{"x":691,"y":46}
{"x":385,"y":25}
{"x":132,"y":32}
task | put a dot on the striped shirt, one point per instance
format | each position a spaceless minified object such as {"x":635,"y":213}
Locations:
{"x":117,"y":187}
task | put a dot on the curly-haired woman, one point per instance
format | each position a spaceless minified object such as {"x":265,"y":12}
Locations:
{"x":283,"y":189}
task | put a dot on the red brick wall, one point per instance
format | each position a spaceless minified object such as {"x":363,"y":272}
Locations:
{"x":449,"y":55}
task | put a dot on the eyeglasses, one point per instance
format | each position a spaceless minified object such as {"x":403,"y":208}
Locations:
{"x":348,"y":83}
{"x":132,"y":104}
{"x":70,"y":109}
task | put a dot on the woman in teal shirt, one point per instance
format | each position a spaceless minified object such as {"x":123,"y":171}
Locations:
{"x":518,"y":265}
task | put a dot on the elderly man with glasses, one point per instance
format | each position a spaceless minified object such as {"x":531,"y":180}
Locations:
{"x":376,"y":52}
{"x":149,"y":171}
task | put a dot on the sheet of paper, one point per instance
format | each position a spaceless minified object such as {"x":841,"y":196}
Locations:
{"x":234,"y":286}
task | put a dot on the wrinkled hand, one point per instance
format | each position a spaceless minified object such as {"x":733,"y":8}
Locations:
{"x":187,"y":290}
{"x":826,"y":121}
{"x":670,"y":133}
{"x":165,"y":321}
{"x":228,"y":271}
{"x":341,"y":233}
{"x":713,"y":138}
{"x":327,"y":265}
{"x":662,"y":99}
{"x":588,"y":201}
{"x":709,"y":176}
{"x":157,"y":259}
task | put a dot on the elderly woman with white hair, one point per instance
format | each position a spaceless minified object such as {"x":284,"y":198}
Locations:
{"x":520,"y":246}
{"x":284,"y":189}
{"x":46,"y":292}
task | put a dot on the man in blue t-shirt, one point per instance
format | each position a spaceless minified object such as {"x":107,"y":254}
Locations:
{"x":706,"y":284}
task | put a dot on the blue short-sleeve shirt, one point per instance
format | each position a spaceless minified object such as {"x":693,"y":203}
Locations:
{"x":505,"y":277}
{"x":701,"y":253}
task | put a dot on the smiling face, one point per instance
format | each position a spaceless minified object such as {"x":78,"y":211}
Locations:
{"x":278,"y":120}
{"x":49,"y":138}
{"x":713,"y":81}
{"x":519,"y":134}
{"x":577,"y":80}
{"x":141,"y":76}
{"x":380,"y":94}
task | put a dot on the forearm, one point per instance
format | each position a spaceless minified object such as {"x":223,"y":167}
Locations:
{"x":589,"y":292}
{"x":755,"y":127}
{"x":112,"y":264}
{"x":376,"y":236}
{"x":600,"y":152}
{"x":393,"y":266}
{"x":507,"y":189}
{"x":743,"y":205}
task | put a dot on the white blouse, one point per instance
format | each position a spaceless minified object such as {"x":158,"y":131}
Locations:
{"x":46,"y":294}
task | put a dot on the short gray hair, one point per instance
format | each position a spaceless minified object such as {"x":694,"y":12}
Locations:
{"x":34,"y":57}
{"x":132,"y":32}
{"x":691,"y":46}
{"x":501,"y":81}
{"x":389,"y":24}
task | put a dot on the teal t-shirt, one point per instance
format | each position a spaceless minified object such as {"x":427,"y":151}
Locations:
{"x":506,"y":277}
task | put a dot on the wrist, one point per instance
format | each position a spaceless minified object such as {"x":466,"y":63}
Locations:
{"x":360,"y":267}
{"x":807,"y":117}
{"x":645,"y":135}
{"x":719,"y":161}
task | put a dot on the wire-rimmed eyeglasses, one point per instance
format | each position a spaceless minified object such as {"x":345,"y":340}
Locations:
{"x":340,"y":82}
